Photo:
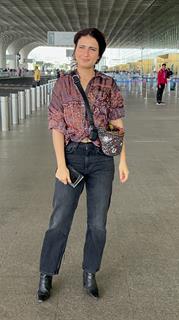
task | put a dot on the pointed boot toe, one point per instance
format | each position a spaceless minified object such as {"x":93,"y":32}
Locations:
{"x":93,"y":292}
{"x":45,"y":284}
{"x":90,"y":285}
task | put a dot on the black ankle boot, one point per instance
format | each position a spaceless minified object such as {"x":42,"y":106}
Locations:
{"x":45,"y":285}
{"x":89,"y":283}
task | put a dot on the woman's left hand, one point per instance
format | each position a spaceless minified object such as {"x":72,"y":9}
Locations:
{"x":123,"y":171}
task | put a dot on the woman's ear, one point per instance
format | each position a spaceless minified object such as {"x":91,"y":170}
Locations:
{"x":98,"y":59}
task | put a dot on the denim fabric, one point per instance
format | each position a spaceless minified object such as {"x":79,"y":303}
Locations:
{"x":160,"y":93}
{"x":98,"y":171}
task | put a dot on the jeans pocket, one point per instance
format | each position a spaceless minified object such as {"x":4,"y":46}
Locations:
{"x":71,"y":147}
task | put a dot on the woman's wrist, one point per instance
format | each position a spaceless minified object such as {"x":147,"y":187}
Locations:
{"x":61,"y":165}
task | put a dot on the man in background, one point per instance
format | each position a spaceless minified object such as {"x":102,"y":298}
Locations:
{"x":161,"y":82}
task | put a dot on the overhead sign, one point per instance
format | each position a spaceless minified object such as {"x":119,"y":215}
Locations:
{"x":29,"y":60}
{"x":39,"y":62}
{"x":60,"y":38}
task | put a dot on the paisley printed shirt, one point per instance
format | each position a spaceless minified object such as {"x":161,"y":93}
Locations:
{"x":67,"y":113}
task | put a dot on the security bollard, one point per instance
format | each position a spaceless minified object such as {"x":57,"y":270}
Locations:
{"x":10,"y":108}
{"x":38,"y":97}
{"x":33,"y":98}
{"x":176,"y":90}
{"x":22,"y":111}
{"x":45,"y":94}
{"x":168,"y":86}
{"x":48,"y":99}
{"x":146,"y":94}
{"x":28,"y":102}
{"x":42,"y":95}
{"x":15,"y":113}
{"x":5,"y":125}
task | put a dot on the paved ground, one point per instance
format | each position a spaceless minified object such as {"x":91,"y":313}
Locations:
{"x":139,"y":279}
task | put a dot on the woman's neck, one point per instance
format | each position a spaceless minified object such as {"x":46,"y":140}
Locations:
{"x":86,"y":73}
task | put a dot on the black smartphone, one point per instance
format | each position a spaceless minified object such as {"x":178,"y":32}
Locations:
{"x":75,"y":177}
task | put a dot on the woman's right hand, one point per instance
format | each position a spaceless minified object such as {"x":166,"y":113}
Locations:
{"x":63,"y":175}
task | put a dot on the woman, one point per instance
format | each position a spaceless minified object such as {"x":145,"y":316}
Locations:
{"x":37,"y":76}
{"x":70,"y":133}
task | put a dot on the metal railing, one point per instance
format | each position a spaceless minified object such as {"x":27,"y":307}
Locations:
{"x":14,"y":109}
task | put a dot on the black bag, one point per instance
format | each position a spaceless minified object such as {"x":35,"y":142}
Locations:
{"x":111,"y":140}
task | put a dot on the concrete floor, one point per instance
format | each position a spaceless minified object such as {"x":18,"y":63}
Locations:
{"x":139,"y":278}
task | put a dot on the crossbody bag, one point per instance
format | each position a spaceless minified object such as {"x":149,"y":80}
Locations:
{"x":111,"y":140}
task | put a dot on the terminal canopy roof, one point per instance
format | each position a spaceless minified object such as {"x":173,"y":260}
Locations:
{"x":126,"y":23}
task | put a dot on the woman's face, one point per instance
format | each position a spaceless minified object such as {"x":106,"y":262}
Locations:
{"x":87,"y":52}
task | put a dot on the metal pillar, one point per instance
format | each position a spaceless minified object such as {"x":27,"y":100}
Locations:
{"x":5,"y":113}
{"x":28,"y":102}
{"x":168,"y":86}
{"x":38,"y":97}
{"x":15,"y":114}
{"x":42,"y":95}
{"x":22,"y":105}
{"x":33,"y":98}
{"x":176,"y":90}
{"x":48,"y":99}
{"x":45,"y":94}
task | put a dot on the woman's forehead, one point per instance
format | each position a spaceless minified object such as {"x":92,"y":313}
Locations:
{"x":88,"y":40}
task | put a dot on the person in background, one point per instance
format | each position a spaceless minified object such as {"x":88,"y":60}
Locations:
{"x":71,"y":134}
{"x":169,"y":73}
{"x":37,"y":76}
{"x":161,"y":82}
{"x":19,"y":71}
{"x":58,"y":74}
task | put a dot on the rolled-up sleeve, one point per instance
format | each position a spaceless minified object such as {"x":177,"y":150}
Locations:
{"x":116,"y":109}
{"x":55,"y":111}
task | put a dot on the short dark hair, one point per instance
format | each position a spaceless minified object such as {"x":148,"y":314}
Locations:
{"x":164,"y":64}
{"x":95,"y":33}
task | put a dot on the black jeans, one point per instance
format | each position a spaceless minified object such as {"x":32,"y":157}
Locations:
{"x":160,"y":92}
{"x":98,"y":171}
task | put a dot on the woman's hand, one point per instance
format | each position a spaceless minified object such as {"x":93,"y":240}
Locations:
{"x":123,"y":171}
{"x":63,"y":175}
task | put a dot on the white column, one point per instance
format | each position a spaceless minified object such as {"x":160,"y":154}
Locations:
{"x":168,"y":86}
{"x":15,"y":114}
{"x":45,"y":94}
{"x":28,"y":102}
{"x":38,"y":97}
{"x":2,"y":55}
{"x":23,"y":58}
{"x":48,"y":99}
{"x":33,"y":99}
{"x":13,"y":50}
{"x":4,"y":114}
{"x":42,"y":95}
{"x":22,"y":111}
{"x":176,"y":90}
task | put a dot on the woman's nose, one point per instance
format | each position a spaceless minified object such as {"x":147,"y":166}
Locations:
{"x":86,"y":52}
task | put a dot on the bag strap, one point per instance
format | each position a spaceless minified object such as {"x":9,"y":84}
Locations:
{"x":89,"y":112}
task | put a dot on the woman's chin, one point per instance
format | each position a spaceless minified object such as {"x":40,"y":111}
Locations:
{"x":85,"y":65}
